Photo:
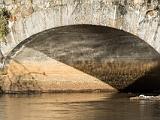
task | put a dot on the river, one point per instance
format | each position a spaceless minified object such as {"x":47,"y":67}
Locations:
{"x":77,"y":106}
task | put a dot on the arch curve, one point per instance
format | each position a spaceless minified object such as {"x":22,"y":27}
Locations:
{"x":118,"y":58}
{"x":132,"y":16}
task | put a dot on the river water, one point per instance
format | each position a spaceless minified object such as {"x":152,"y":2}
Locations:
{"x":77,"y":106}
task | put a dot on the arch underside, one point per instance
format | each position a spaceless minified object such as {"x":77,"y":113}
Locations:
{"x":116,"y":57}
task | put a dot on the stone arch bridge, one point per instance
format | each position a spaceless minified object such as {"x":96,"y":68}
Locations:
{"x":81,"y":58}
{"x":139,"y":17}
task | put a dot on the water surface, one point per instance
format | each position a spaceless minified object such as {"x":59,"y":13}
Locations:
{"x":77,"y":106}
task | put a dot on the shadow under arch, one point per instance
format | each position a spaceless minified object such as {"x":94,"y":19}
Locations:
{"x":111,"y":55}
{"x":147,"y":83}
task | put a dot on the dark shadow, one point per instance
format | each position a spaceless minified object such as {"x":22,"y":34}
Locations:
{"x":150,"y":82}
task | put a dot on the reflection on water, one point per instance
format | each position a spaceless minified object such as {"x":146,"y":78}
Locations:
{"x":77,"y":106}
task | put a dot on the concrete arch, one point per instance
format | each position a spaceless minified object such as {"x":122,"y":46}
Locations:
{"x":135,"y":16}
{"x":118,"y":58}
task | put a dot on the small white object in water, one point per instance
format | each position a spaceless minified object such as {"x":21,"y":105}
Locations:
{"x":143,"y":97}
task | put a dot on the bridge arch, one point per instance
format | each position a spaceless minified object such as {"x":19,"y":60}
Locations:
{"x":118,"y":58}
{"x":133,"y":16}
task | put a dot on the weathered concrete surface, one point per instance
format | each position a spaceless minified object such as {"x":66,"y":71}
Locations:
{"x":113,"y":56}
{"x":140,"y":17}
{"x":36,"y":72}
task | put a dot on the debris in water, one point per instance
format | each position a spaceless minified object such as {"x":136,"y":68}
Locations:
{"x":143,"y":97}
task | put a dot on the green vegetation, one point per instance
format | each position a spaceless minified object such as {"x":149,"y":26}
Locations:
{"x":4,"y":16}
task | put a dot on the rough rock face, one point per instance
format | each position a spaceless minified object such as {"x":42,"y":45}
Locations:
{"x":39,"y":73}
{"x":140,"y":17}
{"x":44,"y":61}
